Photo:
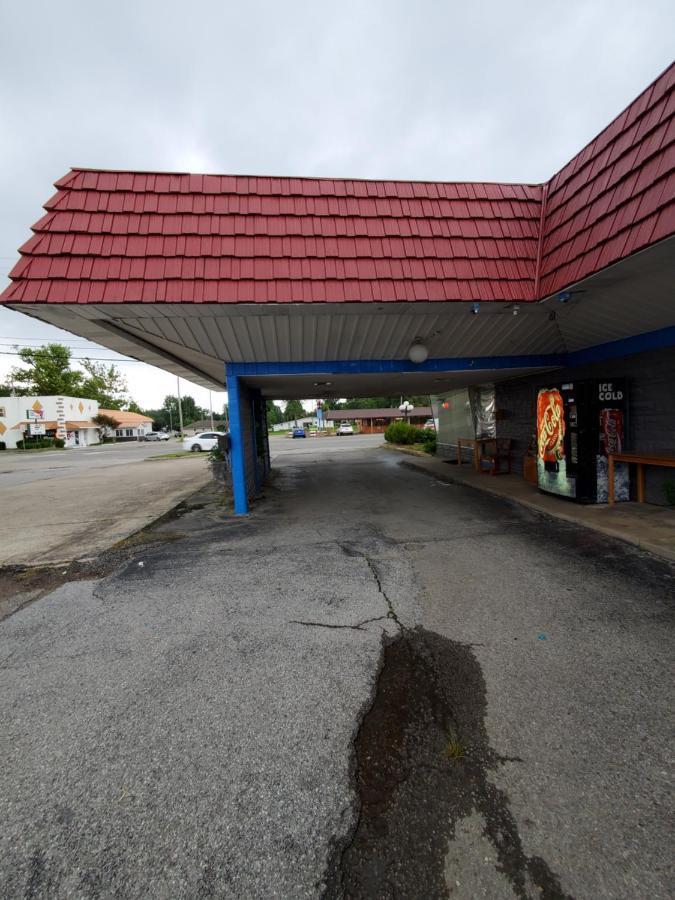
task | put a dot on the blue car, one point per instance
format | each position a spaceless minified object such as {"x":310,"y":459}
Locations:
{"x":299,"y":432}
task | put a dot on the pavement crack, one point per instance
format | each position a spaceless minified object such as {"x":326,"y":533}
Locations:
{"x":350,"y":550}
{"x":357,"y":627}
{"x":391,"y":614}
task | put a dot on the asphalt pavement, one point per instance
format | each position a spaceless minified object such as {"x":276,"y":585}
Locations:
{"x":376,"y":685}
{"x":72,"y":504}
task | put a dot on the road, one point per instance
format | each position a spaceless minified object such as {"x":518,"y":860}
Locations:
{"x":72,"y":504}
{"x":24,"y":468}
{"x":376,"y":685}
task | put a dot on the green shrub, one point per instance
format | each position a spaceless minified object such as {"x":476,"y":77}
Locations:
{"x":403,"y":433}
{"x":429,"y":442}
{"x":3,"y":445}
{"x":37,"y":443}
{"x":60,"y":443}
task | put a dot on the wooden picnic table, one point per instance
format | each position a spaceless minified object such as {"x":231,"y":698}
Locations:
{"x":468,"y":442}
{"x":641,"y":460}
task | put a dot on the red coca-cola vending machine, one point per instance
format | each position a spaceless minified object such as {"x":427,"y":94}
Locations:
{"x":578,"y":424}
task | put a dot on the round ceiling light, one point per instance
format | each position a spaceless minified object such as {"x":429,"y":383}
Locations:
{"x":417,"y":353}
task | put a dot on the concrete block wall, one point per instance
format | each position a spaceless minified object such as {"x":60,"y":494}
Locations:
{"x":651,"y":411}
{"x":245,"y":401}
{"x":256,"y":446}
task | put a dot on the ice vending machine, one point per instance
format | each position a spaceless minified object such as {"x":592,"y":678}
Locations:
{"x":578,"y":424}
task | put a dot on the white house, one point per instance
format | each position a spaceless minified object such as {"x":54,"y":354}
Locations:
{"x":129,"y":425}
{"x":300,"y":422}
{"x":68,"y":418}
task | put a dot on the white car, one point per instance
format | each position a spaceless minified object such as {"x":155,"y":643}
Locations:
{"x":206,"y":440}
{"x":344,"y":429}
{"x":155,"y":436}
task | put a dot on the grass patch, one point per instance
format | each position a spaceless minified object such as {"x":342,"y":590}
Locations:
{"x":141,"y":538}
{"x":177,"y":455}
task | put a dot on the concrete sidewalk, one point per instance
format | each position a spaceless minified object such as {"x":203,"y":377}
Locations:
{"x":649,"y":527}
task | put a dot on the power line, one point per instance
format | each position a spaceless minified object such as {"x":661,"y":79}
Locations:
{"x":82,"y":358}
{"x":34,"y":345}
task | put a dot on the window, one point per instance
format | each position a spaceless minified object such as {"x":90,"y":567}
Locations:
{"x":129,"y":432}
{"x":2,"y":412}
{"x":119,"y":433}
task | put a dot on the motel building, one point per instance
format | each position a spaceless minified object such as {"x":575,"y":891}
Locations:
{"x":543,"y":312}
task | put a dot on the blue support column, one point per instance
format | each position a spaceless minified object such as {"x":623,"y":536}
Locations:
{"x":237,"y":460}
{"x":254,"y":443}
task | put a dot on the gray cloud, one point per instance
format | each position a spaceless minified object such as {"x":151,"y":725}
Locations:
{"x":377,"y":88}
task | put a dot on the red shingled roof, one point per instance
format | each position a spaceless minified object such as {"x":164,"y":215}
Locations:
{"x":145,"y":237}
{"x":615,"y":197}
{"x":123,"y":236}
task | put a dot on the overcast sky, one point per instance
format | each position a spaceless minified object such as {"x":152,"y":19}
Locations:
{"x":482,"y":90}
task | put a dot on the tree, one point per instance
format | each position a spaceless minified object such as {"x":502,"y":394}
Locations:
{"x":382,"y":402}
{"x":104,"y":423}
{"x":105,"y":384}
{"x":274,"y":414}
{"x":135,"y":408}
{"x":293,"y":411}
{"x":191,"y":412}
{"x":48,"y":372}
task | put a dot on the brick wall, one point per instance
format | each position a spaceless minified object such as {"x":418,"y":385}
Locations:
{"x":651,"y":409}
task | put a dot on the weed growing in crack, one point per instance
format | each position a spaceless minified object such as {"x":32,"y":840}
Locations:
{"x":453,"y":747}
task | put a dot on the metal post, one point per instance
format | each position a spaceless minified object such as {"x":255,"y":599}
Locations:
{"x":211,"y":411}
{"x":180,"y":408}
{"x":237,"y":447}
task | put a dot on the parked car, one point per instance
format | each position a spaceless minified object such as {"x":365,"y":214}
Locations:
{"x":206,"y":440}
{"x":298,"y":433}
{"x":150,"y":436}
{"x":430,"y":424}
{"x":344,"y":429}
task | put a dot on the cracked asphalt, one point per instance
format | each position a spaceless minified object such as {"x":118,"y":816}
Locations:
{"x":377,"y":685}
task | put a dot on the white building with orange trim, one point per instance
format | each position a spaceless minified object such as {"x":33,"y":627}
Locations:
{"x":68,"y":418}
{"x":130,"y":425}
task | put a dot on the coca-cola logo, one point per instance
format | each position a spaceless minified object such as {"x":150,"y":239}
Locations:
{"x":611,"y":431}
{"x":550,"y":426}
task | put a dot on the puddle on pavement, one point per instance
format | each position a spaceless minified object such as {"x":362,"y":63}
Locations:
{"x":421,"y":763}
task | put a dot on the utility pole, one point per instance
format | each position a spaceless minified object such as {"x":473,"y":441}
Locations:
{"x":211,"y":411}
{"x":170,"y":420}
{"x":180,"y":408}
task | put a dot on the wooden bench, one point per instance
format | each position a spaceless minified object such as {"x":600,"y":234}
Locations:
{"x":495,"y":452}
{"x":641,"y":460}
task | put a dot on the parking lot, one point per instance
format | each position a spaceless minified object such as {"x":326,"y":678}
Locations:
{"x":378,"y":684}
{"x":71,"y":504}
